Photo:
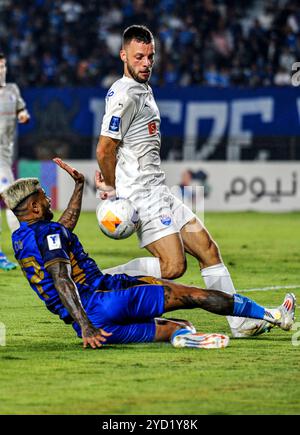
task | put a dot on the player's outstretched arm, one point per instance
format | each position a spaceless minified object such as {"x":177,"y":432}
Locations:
{"x":70,"y":216}
{"x":68,"y":293}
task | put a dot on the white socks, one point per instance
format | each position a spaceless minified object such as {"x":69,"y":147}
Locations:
{"x":147,"y":266}
{"x":217,"y":277}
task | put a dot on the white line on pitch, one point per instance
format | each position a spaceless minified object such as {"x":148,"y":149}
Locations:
{"x":264,"y":289}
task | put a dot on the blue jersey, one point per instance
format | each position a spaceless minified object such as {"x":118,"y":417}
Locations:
{"x":121,"y":304}
{"x":38,"y":245}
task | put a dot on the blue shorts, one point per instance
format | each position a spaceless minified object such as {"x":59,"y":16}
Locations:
{"x":126,"y":306}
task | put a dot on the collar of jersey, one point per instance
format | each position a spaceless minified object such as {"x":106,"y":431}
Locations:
{"x":131,"y":80}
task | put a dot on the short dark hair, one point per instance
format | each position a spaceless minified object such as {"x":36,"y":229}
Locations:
{"x":2,"y":56}
{"x":139,"y":33}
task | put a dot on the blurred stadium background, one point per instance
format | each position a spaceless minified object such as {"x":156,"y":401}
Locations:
{"x":222,"y":80}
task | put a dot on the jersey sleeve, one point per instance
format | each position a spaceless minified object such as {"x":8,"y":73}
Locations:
{"x":53,"y":243}
{"x":20,"y":102}
{"x":119,"y":113}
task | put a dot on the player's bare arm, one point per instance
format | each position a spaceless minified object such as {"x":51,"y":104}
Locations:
{"x":67,"y":290}
{"x":107,"y":158}
{"x":70,"y":216}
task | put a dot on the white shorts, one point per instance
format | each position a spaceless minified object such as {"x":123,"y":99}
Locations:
{"x":161,"y":214}
{"x":6,"y":176}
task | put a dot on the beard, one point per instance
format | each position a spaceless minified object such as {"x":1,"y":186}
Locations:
{"x":135,"y":76}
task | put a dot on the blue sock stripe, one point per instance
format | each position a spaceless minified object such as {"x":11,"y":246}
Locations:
{"x":180,"y":332}
{"x":245,"y":307}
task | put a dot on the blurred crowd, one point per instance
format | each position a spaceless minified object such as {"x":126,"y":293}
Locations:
{"x":199,"y":42}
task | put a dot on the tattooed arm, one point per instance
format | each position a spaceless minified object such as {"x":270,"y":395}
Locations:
{"x":70,"y":216}
{"x":60,"y":272}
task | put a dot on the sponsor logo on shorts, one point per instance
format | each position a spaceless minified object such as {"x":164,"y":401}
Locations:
{"x":114,"y":124}
{"x":152,"y":127}
{"x":166,"y":220}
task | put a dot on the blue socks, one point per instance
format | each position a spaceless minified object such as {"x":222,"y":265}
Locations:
{"x":180,"y":332}
{"x":245,"y":307}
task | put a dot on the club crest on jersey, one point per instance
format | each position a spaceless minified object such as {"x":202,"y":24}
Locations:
{"x":111,"y":222}
{"x":53,"y":241}
{"x":114,"y":124}
{"x":165,"y":220}
{"x":110,"y":93}
{"x":152,"y":127}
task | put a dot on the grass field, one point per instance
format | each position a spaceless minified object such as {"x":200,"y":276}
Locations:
{"x":44,"y":370}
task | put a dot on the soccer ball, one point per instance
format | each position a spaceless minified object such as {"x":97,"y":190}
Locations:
{"x":117,"y":218}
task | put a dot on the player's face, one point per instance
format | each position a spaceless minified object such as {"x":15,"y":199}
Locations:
{"x":138,"y":60}
{"x":2,"y":72}
{"x":45,"y":203}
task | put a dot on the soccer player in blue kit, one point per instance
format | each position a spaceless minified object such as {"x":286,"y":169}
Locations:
{"x":105,"y":308}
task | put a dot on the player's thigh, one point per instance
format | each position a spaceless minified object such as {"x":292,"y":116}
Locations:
{"x":196,"y":239}
{"x":131,"y":333}
{"x":141,"y":302}
{"x":168,"y":248}
{"x":198,"y":242}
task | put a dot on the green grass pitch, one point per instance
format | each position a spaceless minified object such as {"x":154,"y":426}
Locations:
{"x":44,"y":370}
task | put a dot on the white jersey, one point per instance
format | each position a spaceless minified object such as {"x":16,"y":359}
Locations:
{"x":11,"y":103}
{"x":132,"y":116}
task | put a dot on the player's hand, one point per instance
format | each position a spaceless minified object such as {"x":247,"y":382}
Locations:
{"x":105,"y":191}
{"x":77,"y":176}
{"x":94,"y":337}
{"x":23,"y":117}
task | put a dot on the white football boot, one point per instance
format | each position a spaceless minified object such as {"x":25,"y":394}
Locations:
{"x":287,"y":312}
{"x":201,"y":341}
{"x":251,"y":328}
{"x":283,"y":317}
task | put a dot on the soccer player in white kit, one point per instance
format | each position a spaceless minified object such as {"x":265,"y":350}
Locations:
{"x":128,"y":154}
{"x":12,"y":109}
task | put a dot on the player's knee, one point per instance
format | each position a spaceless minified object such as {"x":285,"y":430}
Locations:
{"x":173,"y":268}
